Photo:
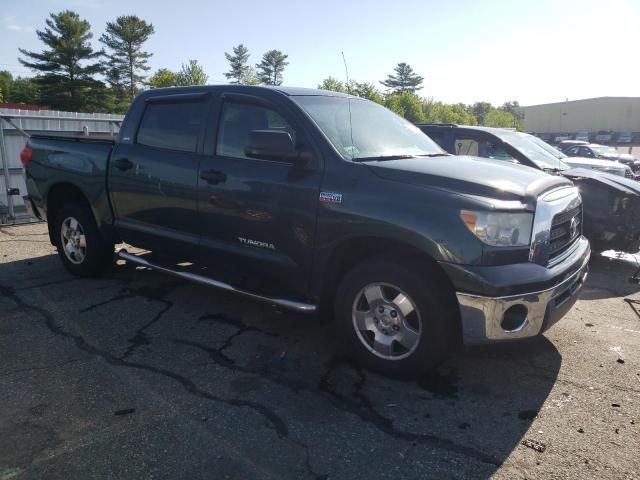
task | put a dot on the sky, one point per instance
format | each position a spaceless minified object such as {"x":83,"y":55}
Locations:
{"x":467,"y":50}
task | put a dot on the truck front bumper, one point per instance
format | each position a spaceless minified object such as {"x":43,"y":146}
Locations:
{"x":487,"y":319}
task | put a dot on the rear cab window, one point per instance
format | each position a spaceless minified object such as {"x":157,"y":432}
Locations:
{"x":171,"y":125}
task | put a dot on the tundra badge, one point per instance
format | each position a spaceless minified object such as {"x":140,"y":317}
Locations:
{"x":256,"y":243}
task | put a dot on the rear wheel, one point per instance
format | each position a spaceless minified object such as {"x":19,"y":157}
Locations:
{"x":393,"y":317}
{"x":80,"y":246}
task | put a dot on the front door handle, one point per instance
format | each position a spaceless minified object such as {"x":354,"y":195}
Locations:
{"x":123,"y":164}
{"x":213,"y":177}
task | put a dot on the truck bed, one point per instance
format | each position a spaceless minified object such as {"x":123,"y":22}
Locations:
{"x":76,"y":160}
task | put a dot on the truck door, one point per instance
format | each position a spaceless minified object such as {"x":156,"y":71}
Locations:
{"x":258,"y":216}
{"x":153,"y":180}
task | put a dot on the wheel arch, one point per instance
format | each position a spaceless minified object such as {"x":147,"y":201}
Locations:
{"x":353,"y":251}
{"x":61,"y":193}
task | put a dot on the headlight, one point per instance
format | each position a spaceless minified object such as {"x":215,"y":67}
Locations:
{"x":499,"y":229}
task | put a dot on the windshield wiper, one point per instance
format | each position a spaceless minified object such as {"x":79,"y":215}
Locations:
{"x":382,"y":158}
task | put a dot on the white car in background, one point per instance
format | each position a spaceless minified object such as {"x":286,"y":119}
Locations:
{"x":582,"y":136}
{"x":581,"y":156}
{"x":608,"y":166}
{"x":624,"y":137}
{"x":603,"y":137}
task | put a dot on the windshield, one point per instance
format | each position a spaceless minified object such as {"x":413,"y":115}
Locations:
{"x":373,"y":133}
{"x":545,"y":146}
{"x":536,"y":150}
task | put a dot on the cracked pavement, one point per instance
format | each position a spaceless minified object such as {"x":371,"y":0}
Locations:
{"x":138,"y":375}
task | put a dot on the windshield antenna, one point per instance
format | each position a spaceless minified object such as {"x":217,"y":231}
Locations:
{"x":346,"y":71}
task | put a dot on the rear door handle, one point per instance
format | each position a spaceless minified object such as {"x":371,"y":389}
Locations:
{"x":213,"y":177}
{"x":123,"y":164}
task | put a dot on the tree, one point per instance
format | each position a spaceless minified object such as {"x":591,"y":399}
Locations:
{"x":163,"y":78}
{"x":516,"y":110}
{"x":24,"y":90}
{"x":406,"y":104}
{"x":67,"y":67}
{"x":366,"y":90}
{"x":497,"y":117}
{"x":6,"y":79}
{"x":192,"y":73}
{"x":438,"y":112}
{"x":480,"y":110}
{"x":333,"y":85}
{"x":238,"y":62}
{"x":250,"y":77}
{"x":272,"y":66}
{"x":404,"y":80}
{"x":127,"y":60}
{"x":118,"y":92}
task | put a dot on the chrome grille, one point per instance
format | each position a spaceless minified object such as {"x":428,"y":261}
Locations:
{"x":566,"y":229}
{"x":552,"y":235}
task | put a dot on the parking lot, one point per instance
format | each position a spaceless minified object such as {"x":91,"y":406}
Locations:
{"x":139,"y":375}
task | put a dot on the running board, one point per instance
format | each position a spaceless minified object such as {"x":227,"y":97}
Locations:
{"x":281,"y":302}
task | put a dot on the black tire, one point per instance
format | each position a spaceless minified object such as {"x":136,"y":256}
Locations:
{"x":425,"y":295}
{"x":98,"y":253}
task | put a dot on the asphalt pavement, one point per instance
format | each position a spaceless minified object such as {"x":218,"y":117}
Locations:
{"x":137,"y":375}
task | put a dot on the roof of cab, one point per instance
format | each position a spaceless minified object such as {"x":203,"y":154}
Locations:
{"x":289,"y":91}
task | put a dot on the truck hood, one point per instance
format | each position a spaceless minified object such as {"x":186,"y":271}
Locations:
{"x":622,"y":184}
{"x":483,"y":177}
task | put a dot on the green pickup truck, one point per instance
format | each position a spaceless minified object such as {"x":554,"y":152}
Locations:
{"x":319,"y":202}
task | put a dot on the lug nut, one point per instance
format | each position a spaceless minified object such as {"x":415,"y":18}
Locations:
{"x":396,"y":328}
{"x":394,"y":314}
{"x":381,"y":309}
{"x":385,"y":331}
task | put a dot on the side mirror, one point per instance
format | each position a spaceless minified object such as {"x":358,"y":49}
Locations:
{"x":273,"y":145}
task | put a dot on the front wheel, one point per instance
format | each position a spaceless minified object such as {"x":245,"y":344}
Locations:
{"x":80,"y":246}
{"x":394,"y":317}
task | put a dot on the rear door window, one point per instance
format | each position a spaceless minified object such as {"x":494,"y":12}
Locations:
{"x":573,"y":151}
{"x":585,"y":152}
{"x":172,"y":126}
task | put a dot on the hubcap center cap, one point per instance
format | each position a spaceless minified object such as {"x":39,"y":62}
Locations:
{"x":387,"y":320}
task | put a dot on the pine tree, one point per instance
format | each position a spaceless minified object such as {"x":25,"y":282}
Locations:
{"x":272,"y":66}
{"x":404,"y":80}
{"x":127,"y":60}
{"x":66,"y":71}
{"x":238,"y":62}
{"x":192,"y":73}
